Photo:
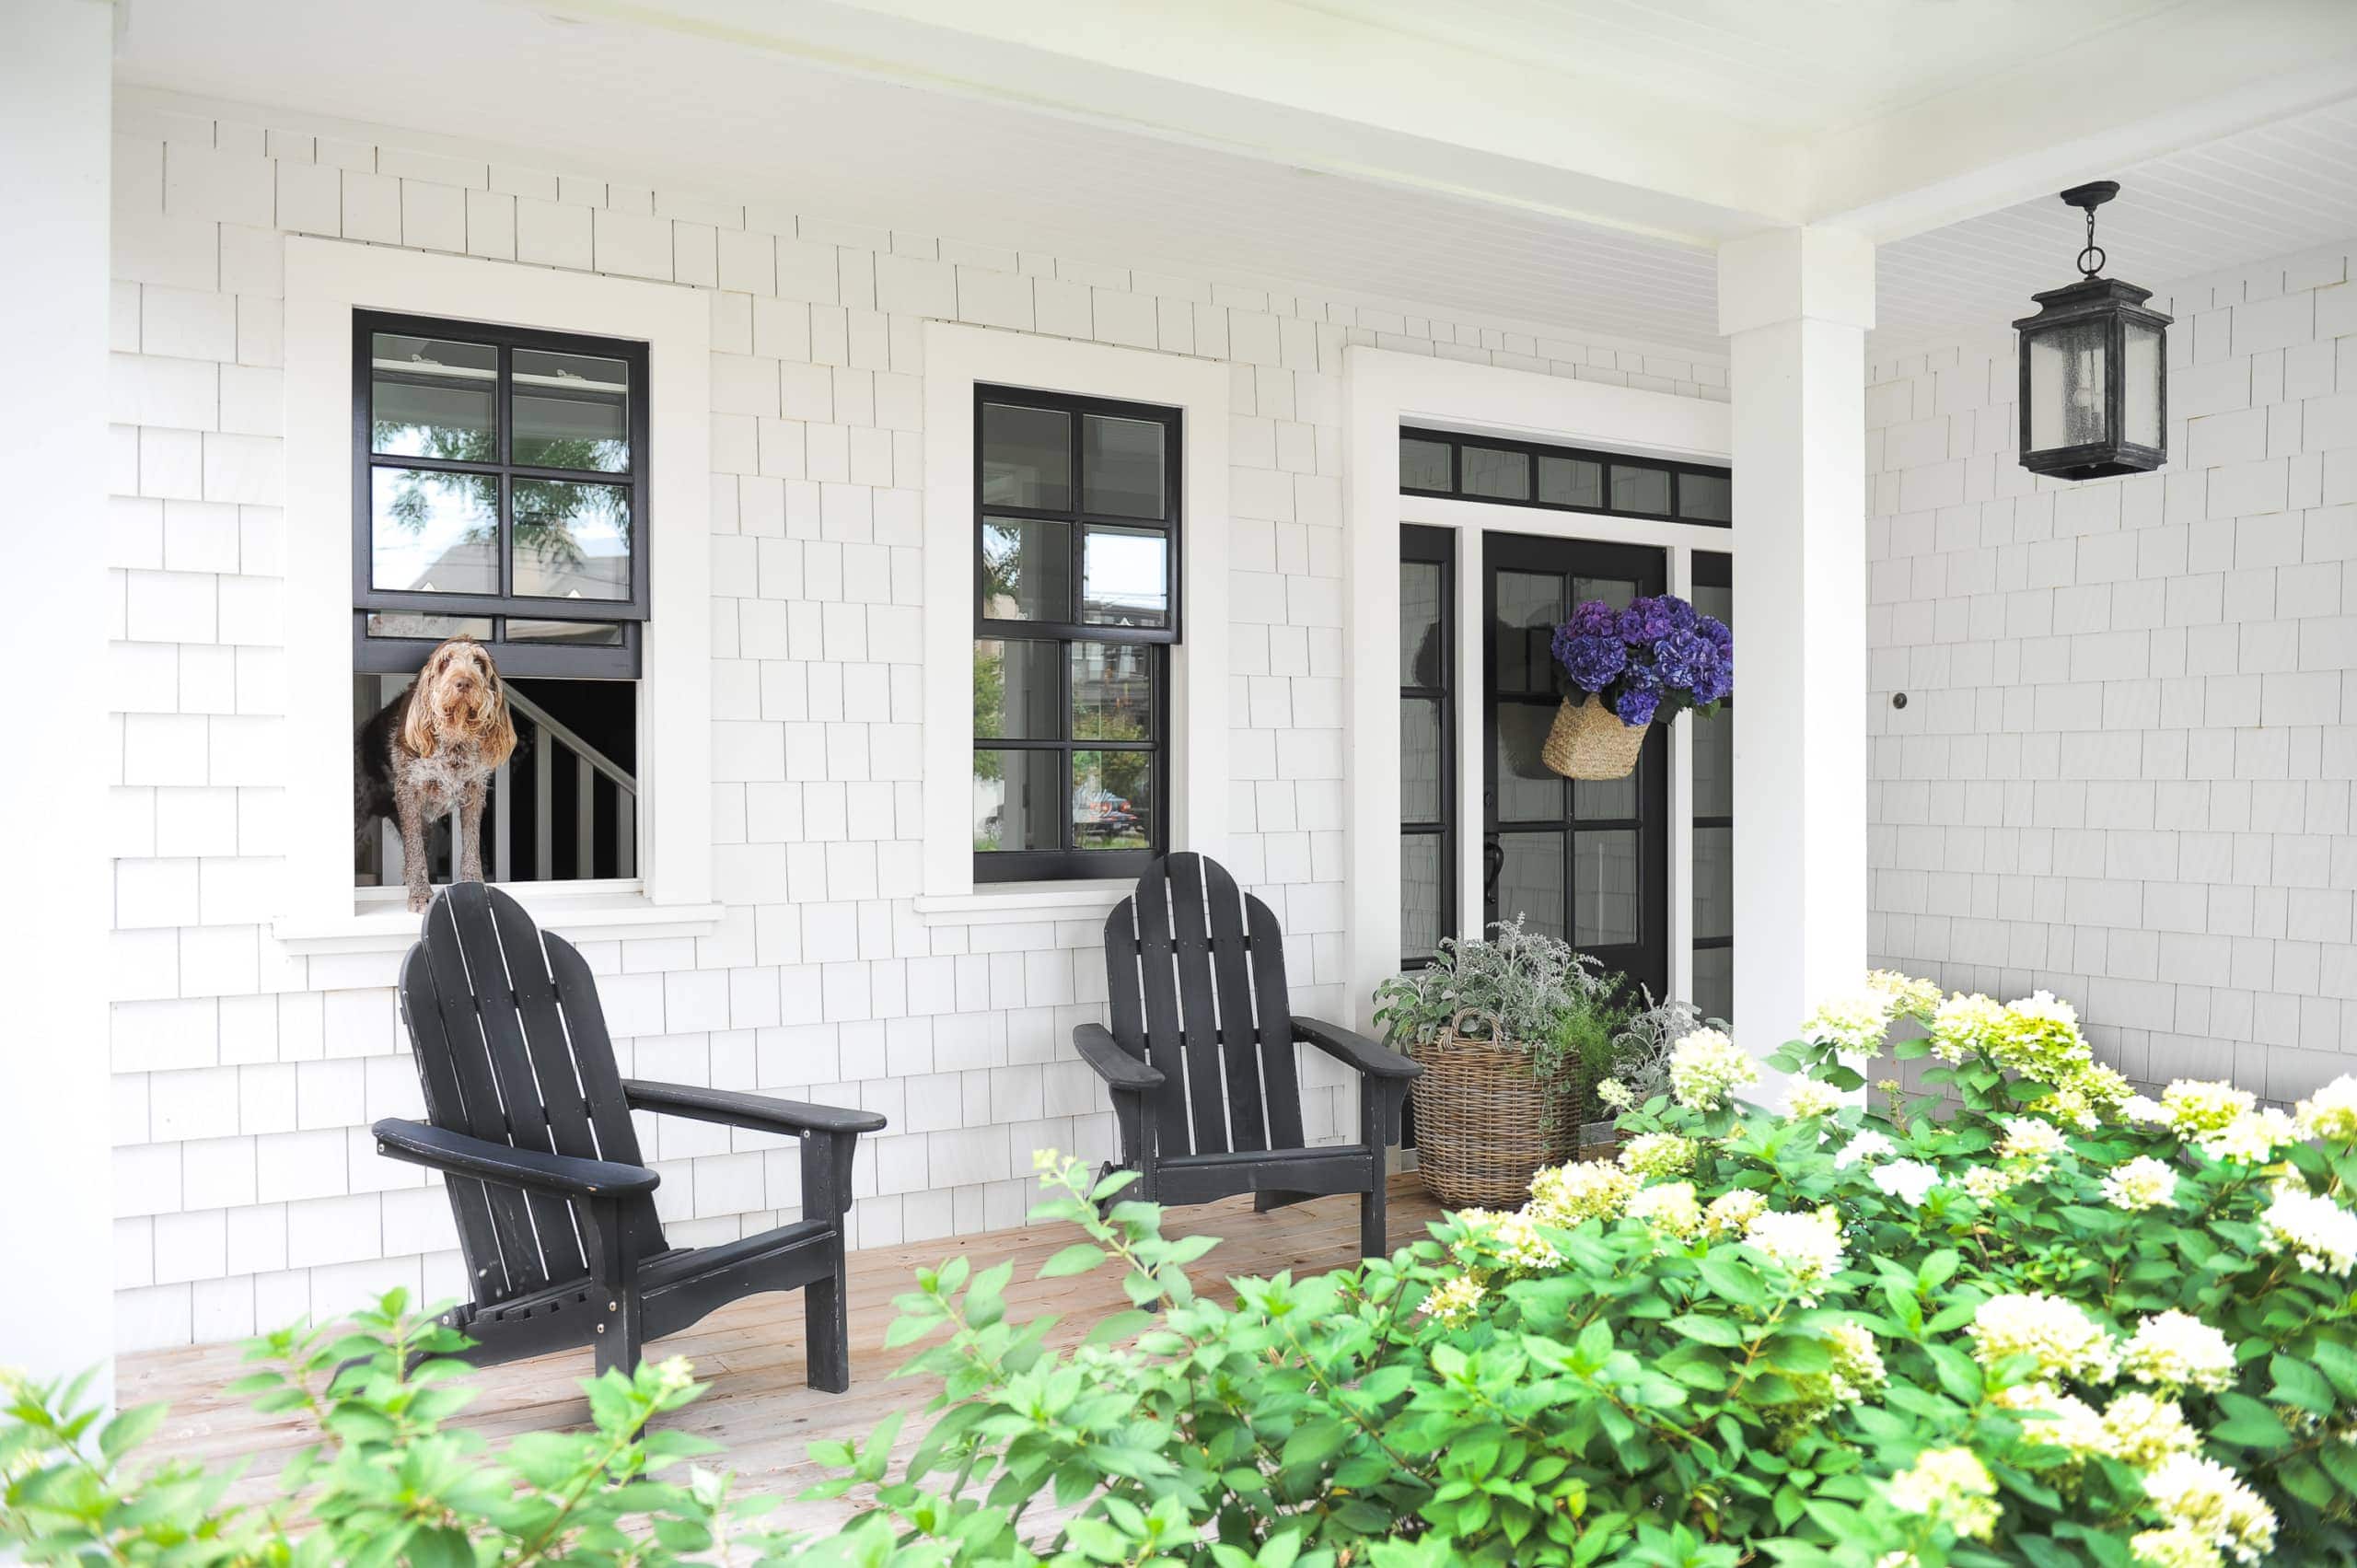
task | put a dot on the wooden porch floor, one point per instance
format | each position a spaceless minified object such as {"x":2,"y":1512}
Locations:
{"x":751,"y":1352}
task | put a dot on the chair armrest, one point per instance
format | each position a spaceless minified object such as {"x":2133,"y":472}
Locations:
{"x":459,"y":1154}
{"x":1350,"y":1046}
{"x":758,"y":1112}
{"x":1117,"y":1067}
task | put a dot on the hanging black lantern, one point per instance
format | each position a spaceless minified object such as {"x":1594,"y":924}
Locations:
{"x":2094,"y":401}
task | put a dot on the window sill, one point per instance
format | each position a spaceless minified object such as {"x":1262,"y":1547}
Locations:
{"x":379,"y":923}
{"x":998,"y":902}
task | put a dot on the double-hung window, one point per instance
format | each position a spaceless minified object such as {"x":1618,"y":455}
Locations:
{"x":1075,"y":612}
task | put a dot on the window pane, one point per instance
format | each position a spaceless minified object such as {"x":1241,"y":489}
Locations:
{"x":1705,"y":497}
{"x":1026,"y":458}
{"x":1713,"y":764}
{"x":2066,"y":368}
{"x":1421,"y":657}
{"x":1419,"y":895}
{"x":1120,"y":467}
{"x":1112,"y":799}
{"x":409,"y":623}
{"x":1714,"y":881}
{"x":2140,"y":364}
{"x":1027,"y":570}
{"x":1530,"y":606}
{"x":434,"y":532}
{"x":1528,"y":790}
{"x":572,"y":412}
{"x":1421,"y":755}
{"x":1016,"y":690}
{"x":1423,"y":465}
{"x":432,"y":398}
{"x":1604,"y":888}
{"x":567,"y":633}
{"x":572,"y":540}
{"x":1125,"y":576}
{"x":1714,"y":981}
{"x":1641,"y":490}
{"x":1017,"y":799}
{"x":1112,"y":691}
{"x":1606,"y":800}
{"x":1488,"y":471}
{"x":1530,"y":881}
{"x":1569,"y":481}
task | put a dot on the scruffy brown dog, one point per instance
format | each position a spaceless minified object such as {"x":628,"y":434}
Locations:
{"x":433,"y":750}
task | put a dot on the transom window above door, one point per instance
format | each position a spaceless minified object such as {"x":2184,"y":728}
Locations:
{"x":500,"y":489}
{"x":1562,"y":479}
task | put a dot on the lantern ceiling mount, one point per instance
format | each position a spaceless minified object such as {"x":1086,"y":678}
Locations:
{"x":2094,"y":399}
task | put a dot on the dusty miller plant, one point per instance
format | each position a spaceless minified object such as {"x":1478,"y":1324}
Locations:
{"x":1515,"y":987}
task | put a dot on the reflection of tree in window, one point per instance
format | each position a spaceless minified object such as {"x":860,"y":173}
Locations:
{"x":545,"y":510}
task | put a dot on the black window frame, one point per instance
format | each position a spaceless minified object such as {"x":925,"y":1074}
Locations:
{"x":1713,"y":569}
{"x":1423,"y":545}
{"x":1069,"y":862}
{"x":402,"y":656}
{"x":1678,"y":472}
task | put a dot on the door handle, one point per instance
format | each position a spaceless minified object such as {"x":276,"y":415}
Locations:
{"x":1493,"y":861}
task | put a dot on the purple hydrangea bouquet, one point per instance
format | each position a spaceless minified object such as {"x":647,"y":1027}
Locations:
{"x":1626,"y":668}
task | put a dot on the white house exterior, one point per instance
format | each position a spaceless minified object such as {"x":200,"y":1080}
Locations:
{"x":2122,"y":770}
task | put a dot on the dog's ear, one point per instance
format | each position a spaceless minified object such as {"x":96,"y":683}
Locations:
{"x":499,"y":730}
{"x":417,"y":714}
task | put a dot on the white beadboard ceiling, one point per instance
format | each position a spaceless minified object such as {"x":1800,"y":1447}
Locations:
{"x":699,"y":113}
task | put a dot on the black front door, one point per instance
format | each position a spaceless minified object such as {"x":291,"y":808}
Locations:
{"x":1584,"y":860}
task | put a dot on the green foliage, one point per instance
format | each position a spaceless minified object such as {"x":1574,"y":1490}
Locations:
{"x":389,"y":1482}
{"x":1523,"y":988}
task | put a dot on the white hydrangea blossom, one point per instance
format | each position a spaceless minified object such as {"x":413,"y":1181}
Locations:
{"x":1585,"y":1190}
{"x":1962,"y":1026}
{"x":1732,"y":1211}
{"x":2318,"y":1231}
{"x":1807,"y":1246}
{"x":2204,"y":1497}
{"x":2176,"y":1547}
{"x":2177,"y":1350}
{"x":1809,"y":1096}
{"x":2195,"y":1110}
{"x":2055,"y":1417}
{"x":1705,"y":1067}
{"x":2143,"y":1430}
{"x":2143,"y":1111}
{"x":1951,"y":1486}
{"x":1616,"y":1093}
{"x":2140,"y":1184}
{"x":1907,"y":1181}
{"x":2252,"y":1137}
{"x":1670,"y":1207}
{"x":2062,"y":1340}
{"x":1854,"y":1024}
{"x":1857,"y":1368}
{"x":1658,"y":1154}
{"x":1987,"y":1183}
{"x":1454,"y":1300}
{"x":1868,"y":1144}
{"x":2032,"y":1142}
{"x":2330,"y":1113}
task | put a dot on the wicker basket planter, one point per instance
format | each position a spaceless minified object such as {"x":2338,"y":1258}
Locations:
{"x":1588,"y":741}
{"x":1484,"y":1125}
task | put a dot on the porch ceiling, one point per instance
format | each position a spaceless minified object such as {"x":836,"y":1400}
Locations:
{"x":1060,"y":129}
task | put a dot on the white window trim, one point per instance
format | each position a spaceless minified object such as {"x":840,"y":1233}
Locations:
{"x":1386,"y":390}
{"x":955,"y":359}
{"x":326,"y":280}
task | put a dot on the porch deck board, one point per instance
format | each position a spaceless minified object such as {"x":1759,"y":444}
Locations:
{"x":751,"y":1352}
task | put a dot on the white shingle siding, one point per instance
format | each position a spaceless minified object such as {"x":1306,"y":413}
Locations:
{"x":2123,"y":773}
{"x":246,"y":1076}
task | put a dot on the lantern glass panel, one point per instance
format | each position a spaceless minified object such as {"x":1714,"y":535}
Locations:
{"x":2066,"y":385}
{"x":2140,"y":368}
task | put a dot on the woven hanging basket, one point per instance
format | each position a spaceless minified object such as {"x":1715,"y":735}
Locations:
{"x":1588,"y":741}
{"x":1484,"y":1126}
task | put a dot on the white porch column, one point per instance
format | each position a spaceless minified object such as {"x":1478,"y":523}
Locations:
{"x":56,"y":1112}
{"x":1796,"y":305}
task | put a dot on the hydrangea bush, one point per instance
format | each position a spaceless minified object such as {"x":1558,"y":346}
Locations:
{"x":1658,"y":656}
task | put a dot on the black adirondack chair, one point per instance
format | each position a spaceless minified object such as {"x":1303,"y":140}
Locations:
{"x":531,"y":1130}
{"x":1201,"y":1055}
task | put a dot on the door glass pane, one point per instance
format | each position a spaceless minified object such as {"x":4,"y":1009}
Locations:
{"x":1504,"y":476}
{"x":572,"y":540}
{"x":1016,"y":690}
{"x":1714,"y":981}
{"x":1528,"y":790}
{"x":567,"y":633}
{"x":1530,"y":606}
{"x":1027,"y":570}
{"x":1606,"y":800}
{"x":2066,"y":368}
{"x":2140,"y":368}
{"x":1421,"y":657}
{"x":1714,"y":882}
{"x":1112,"y":691}
{"x":1419,"y":895}
{"x":1705,"y":497}
{"x":1423,"y":465}
{"x":432,"y":398}
{"x":1125,"y":576}
{"x":1713,"y":764}
{"x":1530,"y":881}
{"x":1641,"y":490}
{"x":572,"y":412}
{"x":434,"y":532}
{"x":1618,"y":592}
{"x":1112,"y":799}
{"x":1603,"y":879}
{"x":1121,"y":465}
{"x":1026,"y":458}
{"x":1420,"y":760}
{"x":1017,"y":795}
{"x":409,"y":623}
{"x":1569,"y":481}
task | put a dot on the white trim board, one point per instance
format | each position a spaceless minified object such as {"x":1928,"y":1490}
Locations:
{"x":955,"y":359}
{"x":1384,"y":389}
{"x":326,"y":280}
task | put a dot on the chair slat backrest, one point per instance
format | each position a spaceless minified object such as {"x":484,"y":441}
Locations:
{"x":1195,"y":973}
{"x":511,"y":1046}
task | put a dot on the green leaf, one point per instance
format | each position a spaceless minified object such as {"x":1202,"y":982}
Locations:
{"x":2249,"y":1424}
{"x":2297,"y":1383}
{"x":130,"y":1429}
{"x":1937,"y":1270}
{"x":1077,"y":1258}
{"x":1709,"y":1330}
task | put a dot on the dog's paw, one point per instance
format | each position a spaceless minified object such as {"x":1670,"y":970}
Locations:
{"x":417,"y":902}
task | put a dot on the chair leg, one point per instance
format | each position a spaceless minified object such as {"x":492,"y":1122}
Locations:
{"x":621,"y":1338}
{"x":826,"y":1331}
{"x":1375,"y":1240}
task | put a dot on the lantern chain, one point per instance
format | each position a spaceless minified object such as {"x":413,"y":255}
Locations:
{"x":2086,"y":271}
